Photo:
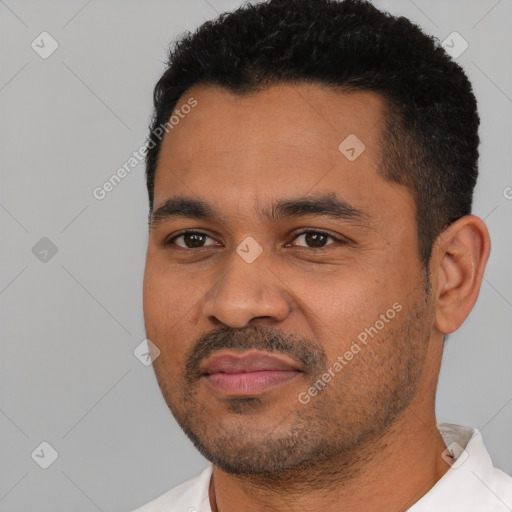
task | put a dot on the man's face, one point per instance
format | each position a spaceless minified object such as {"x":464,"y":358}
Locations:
{"x":270,"y":271}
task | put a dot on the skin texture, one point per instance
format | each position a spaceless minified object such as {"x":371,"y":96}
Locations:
{"x":372,"y":428}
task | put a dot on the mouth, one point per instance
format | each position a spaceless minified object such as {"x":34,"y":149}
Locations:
{"x":245,"y":374}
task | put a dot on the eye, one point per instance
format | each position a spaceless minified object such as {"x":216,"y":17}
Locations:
{"x":315,"y":239}
{"x":310,"y":239}
{"x":190,"y":240}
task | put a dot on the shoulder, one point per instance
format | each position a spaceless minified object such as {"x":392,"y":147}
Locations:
{"x":189,"y":496}
{"x":472,"y":483}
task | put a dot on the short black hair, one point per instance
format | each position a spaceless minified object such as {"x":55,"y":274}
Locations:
{"x":430,"y":141}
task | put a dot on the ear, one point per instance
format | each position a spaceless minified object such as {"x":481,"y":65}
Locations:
{"x":460,"y":254}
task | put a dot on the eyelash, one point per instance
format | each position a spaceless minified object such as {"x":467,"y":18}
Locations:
{"x":170,"y":242}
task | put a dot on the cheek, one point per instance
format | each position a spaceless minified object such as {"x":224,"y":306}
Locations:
{"x":346,"y":308}
{"x":167,"y":308}
{"x":166,"y":295}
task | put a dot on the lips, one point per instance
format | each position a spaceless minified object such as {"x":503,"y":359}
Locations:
{"x":249,"y":373}
{"x":246,"y":362}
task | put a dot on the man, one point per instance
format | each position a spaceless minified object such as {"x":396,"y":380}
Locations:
{"x":310,"y":169}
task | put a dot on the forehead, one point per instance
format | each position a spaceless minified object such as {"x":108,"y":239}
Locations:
{"x":289,"y":139}
{"x":288,"y":119}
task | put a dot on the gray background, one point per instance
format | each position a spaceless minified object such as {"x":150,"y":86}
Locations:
{"x":70,"y":324}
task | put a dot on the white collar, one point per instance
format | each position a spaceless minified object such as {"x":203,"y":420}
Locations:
{"x":472,"y":484}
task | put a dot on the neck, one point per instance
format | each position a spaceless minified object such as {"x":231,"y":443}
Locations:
{"x":406,"y":460}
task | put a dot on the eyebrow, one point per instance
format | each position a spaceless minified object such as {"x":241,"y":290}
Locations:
{"x":327,"y":205}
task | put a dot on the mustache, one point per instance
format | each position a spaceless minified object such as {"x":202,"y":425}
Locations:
{"x":309,"y":355}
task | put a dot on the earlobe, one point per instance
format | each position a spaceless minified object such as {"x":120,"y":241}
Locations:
{"x":462,"y":251}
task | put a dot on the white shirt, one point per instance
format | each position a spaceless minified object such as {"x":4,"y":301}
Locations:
{"x":472,"y":484}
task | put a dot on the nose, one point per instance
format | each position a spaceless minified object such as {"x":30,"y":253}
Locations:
{"x":246,"y":291}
